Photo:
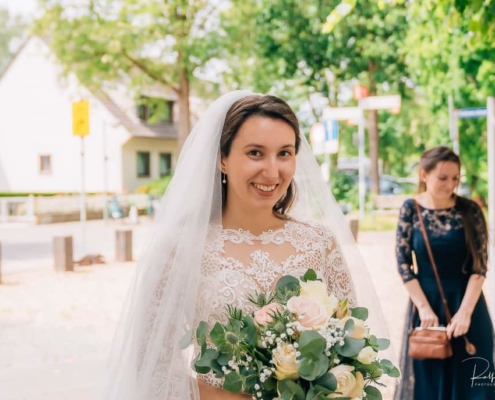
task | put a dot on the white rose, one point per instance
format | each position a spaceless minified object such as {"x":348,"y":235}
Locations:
{"x":348,"y":385}
{"x":360,"y":330}
{"x":366,"y":355}
{"x":284,"y":358}
{"x":317,"y":290}
{"x":310,"y":313}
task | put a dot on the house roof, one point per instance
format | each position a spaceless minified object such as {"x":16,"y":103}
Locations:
{"x":135,"y":128}
{"x":139,"y":129}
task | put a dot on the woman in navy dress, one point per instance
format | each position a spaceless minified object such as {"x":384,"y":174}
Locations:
{"x":457,"y":232}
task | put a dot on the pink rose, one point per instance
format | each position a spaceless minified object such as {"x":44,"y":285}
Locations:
{"x":265,"y":315}
{"x":310,"y":313}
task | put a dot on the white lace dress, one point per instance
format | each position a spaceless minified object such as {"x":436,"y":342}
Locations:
{"x":236,"y":263}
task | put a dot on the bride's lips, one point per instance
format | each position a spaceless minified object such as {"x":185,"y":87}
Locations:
{"x":263,"y":193}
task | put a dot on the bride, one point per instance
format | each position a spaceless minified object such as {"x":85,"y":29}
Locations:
{"x":246,"y":205}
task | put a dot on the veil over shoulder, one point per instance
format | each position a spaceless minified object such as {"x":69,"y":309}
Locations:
{"x":147,"y":360}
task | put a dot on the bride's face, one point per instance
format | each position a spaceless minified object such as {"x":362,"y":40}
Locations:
{"x":261,"y":163}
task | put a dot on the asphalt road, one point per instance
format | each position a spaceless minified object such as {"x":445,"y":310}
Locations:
{"x":26,"y":247}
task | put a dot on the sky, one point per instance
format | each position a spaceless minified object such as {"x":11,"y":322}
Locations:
{"x":23,"y":7}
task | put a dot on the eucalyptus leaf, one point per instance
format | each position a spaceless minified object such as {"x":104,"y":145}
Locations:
{"x":288,"y":282}
{"x":311,"y":369}
{"x":328,"y":381}
{"x":289,"y":387}
{"x":249,"y":330}
{"x":233,"y":382}
{"x":310,"y":275}
{"x":360,"y":313}
{"x":351,"y":347}
{"x":185,"y":342}
{"x":372,"y":393}
{"x":383,"y":344}
{"x":217,"y":334}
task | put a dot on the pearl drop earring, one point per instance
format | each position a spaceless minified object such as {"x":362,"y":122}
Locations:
{"x":224,"y":180}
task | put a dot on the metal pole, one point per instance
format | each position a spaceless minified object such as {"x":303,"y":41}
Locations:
{"x":490,"y":108}
{"x":105,"y":173}
{"x":453,"y":128}
{"x":362,"y":182}
{"x":327,"y":166}
{"x":83,"y":198}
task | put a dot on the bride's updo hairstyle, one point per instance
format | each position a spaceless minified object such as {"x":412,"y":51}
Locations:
{"x":263,"y":106}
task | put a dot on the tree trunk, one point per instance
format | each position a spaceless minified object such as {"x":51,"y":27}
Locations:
{"x":374,"y":151}
{"x":373,"y":134}
{"x":184,"y":112}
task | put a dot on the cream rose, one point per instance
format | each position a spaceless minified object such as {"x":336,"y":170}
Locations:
{"x":360,"y":330}
{"x":265,"y":314}
{"x":284,"y":358}
{"x":317,"y":290}
{"x":366,"y":355}
{"x":348,"y":384}
{"x":310,"y":313}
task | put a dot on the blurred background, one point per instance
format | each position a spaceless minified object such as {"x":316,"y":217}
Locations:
{"x":97,"y":98}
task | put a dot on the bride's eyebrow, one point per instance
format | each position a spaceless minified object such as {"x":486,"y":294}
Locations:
{"x":259,"y":146}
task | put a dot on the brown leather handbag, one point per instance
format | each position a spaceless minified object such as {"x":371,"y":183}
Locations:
{"x":433,"y":342}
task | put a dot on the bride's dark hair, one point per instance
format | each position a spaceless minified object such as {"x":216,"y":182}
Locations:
{"x":263,"y":106}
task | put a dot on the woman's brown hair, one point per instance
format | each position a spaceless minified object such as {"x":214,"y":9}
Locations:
{"x":263,"y":106}
{"x":429,"y":160}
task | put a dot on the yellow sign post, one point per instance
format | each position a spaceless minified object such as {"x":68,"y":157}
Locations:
{"x":80,"y":127}
{"x":80,"y":118}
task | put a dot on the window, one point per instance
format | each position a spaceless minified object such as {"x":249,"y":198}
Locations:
{"x":45,"y":165}
{"x":165,"y":164}
{"x":154,"y":110}
{"x":143,"y":164}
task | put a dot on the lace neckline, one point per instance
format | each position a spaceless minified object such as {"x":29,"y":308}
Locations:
{"x":248,"y":234}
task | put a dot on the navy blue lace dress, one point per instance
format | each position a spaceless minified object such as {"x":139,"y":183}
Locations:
{"x":460,"y":377}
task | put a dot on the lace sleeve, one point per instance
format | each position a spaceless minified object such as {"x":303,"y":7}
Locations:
{"x":481,"y":236}
{"x":404,"y":242}
{"x":337,"y":275}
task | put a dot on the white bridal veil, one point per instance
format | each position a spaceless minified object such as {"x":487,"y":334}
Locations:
{"x":147,"y":362}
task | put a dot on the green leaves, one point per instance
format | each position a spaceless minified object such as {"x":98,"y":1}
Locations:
{"x":379,"y":344}
{"x":310,"y":275}
{"x":313,"y":363}
{"x":372,"y":393}
{"x":351,"y":347}
{"x":233,"y":382}
{"x":289,"y":390}
{"x":389,"y":369}
{"x":360,"y":313}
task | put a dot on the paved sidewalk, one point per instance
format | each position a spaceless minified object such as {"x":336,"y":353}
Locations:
{"x":56,"y":329}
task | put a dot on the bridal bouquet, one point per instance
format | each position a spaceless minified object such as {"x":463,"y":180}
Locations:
{"x":300,"y":343}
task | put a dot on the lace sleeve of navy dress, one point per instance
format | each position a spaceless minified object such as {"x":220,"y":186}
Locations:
{"x":404,"y":241}
{"x":480,"y":236}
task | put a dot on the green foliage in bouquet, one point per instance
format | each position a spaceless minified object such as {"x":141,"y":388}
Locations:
{"x":273,"y":353}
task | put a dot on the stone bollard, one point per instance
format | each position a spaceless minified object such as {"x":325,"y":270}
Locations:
{"x":62,"y":253}
{"x":354,"y":226}
{"x":123,"y":241}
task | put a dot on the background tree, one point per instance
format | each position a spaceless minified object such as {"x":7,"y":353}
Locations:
{"x":11,"y":31}
{"x":146,"y":43}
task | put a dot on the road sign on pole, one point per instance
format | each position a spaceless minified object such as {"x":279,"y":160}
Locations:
{"x":80,"y":118}
{"x":80,"y":127}
{"x":380,"y":102}
{"x":466,"y":113}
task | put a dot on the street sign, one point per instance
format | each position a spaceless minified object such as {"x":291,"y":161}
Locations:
{"x":80,"y":118}
{"x":325,"y":137}
{"x":380,"y":102}
{"x":465,"y":113}
{"x":341,"y":113}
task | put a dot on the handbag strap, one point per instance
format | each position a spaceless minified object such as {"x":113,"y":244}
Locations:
{"x":470,"y":348}
{"x":448,"y":316}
